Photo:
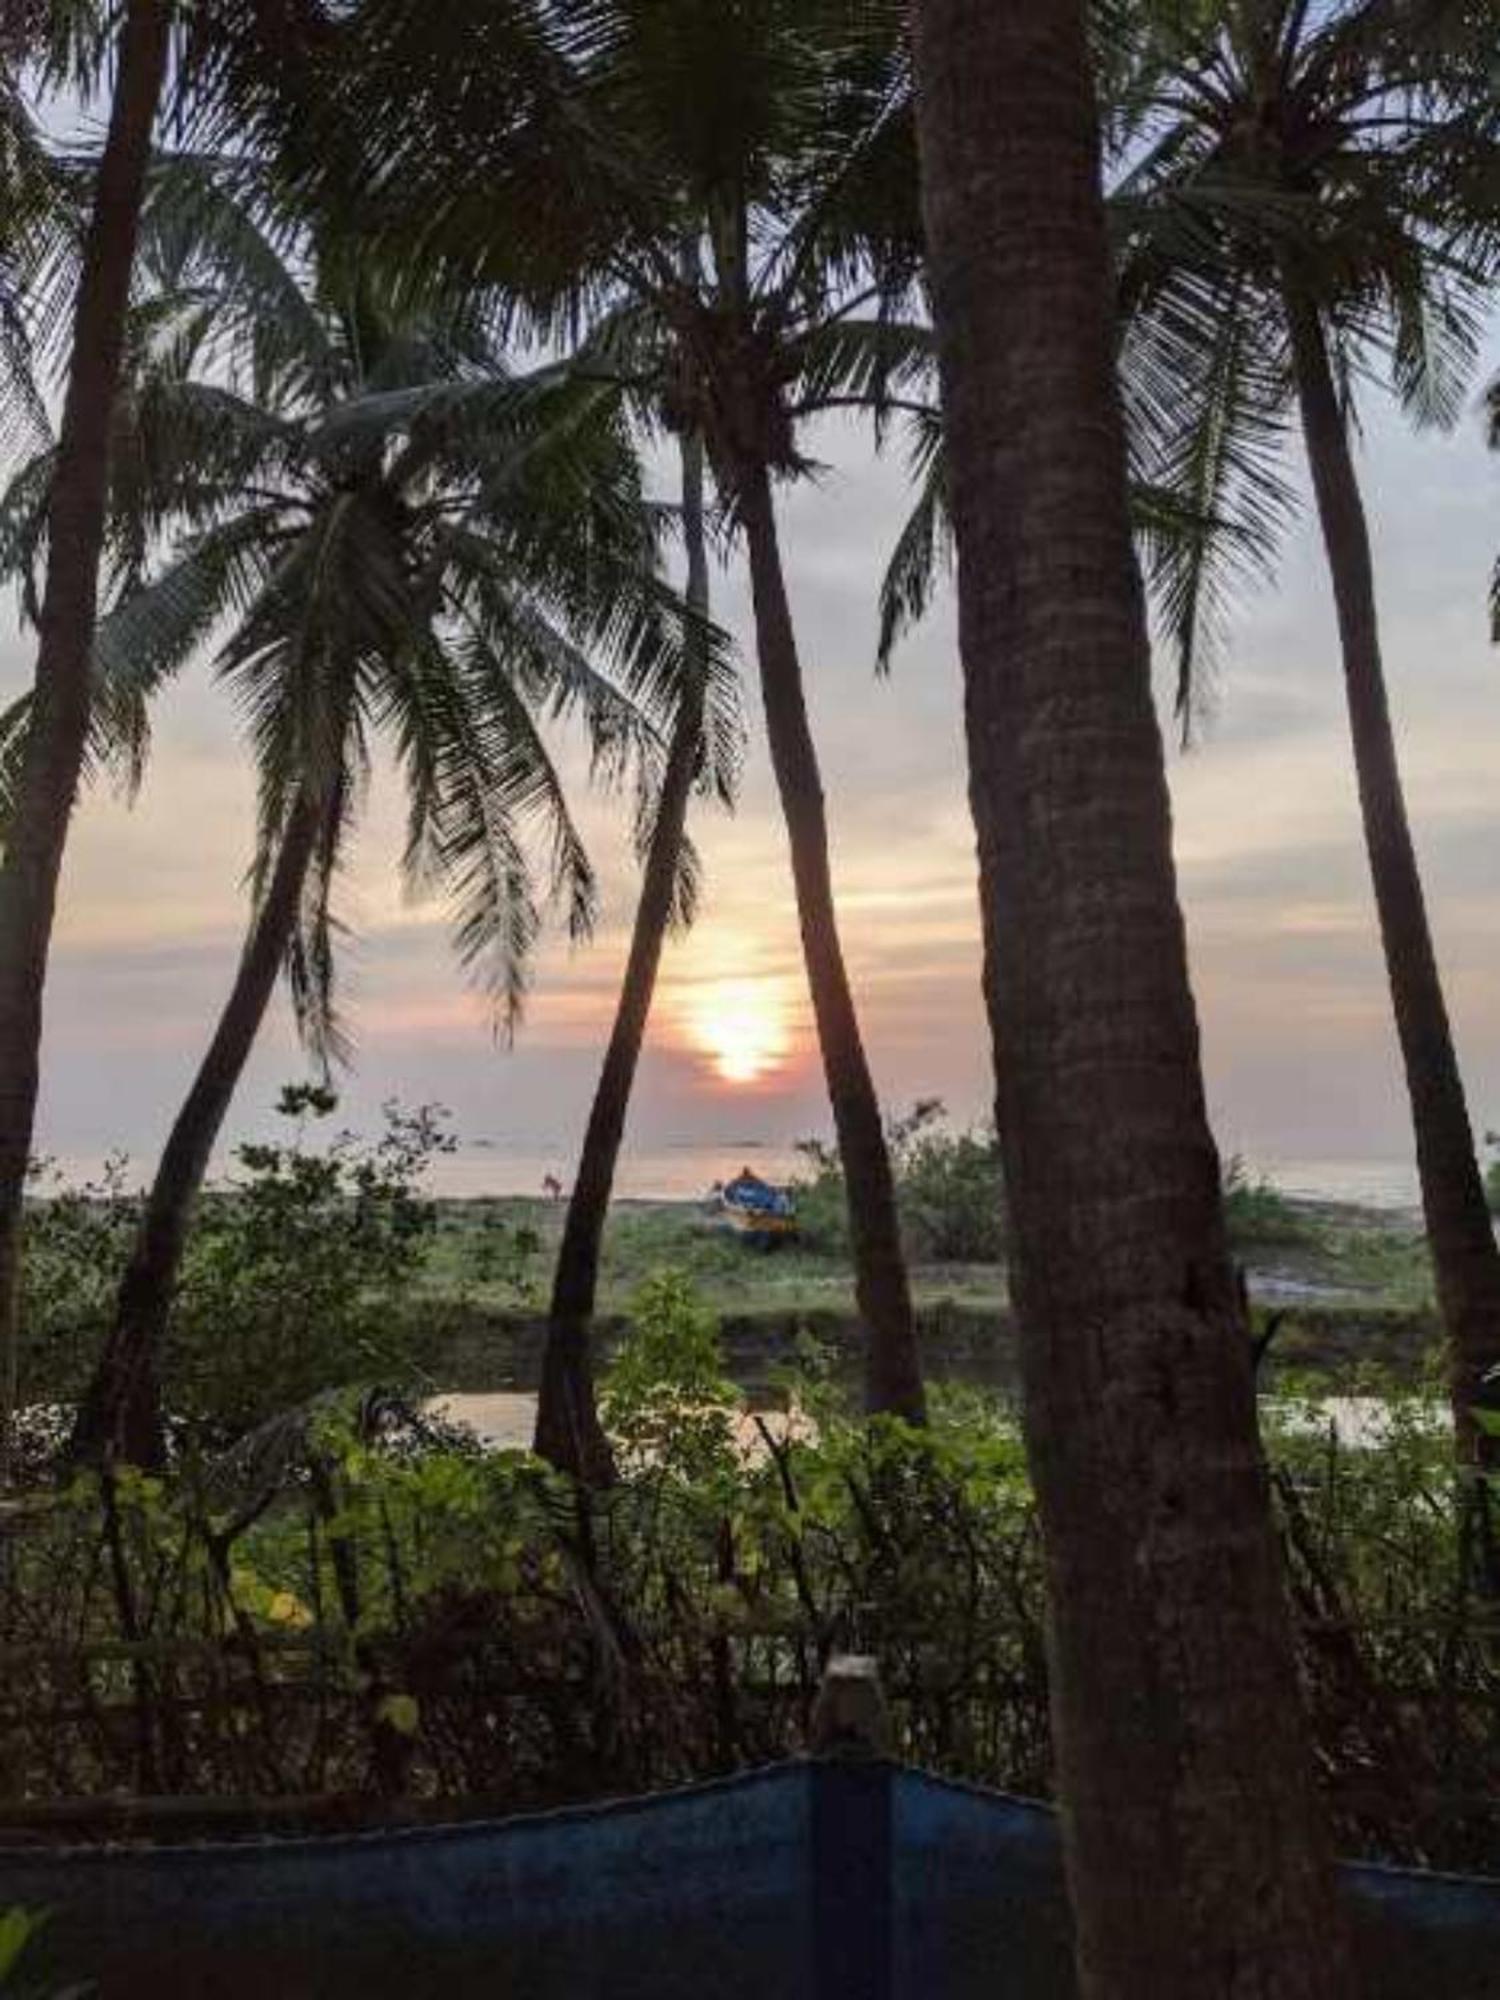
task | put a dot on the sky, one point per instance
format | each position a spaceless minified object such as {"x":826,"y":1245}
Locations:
{"x":1298,"y":1043}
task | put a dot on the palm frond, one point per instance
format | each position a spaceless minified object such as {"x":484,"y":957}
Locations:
{"x":210,"y":226}
{"x":923,"y":551}
{"x":1206,"y":399}
{"x":462,"y":837}
{"x":313,"y":951}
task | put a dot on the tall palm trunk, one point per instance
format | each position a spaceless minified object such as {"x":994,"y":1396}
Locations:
{"x":1466,"y":1259}
{"x":121,"y":1414}
{"x":568,"y":1431}
{"x":1196,"y":1859}
{"x":893,"y":1374}
{"x":60,"y":703}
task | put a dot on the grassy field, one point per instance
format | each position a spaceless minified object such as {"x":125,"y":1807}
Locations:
{"x":469,"y":1257}
{"x":1320,"y":1253}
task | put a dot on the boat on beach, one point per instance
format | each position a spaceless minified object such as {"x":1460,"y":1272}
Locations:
{"x":750,"y":1207}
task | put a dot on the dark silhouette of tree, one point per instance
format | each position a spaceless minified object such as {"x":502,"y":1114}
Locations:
{"x":1342,"y":160}
{"x":1196,"y":1859}
{"x":558,"y":151}
{"x":568,"y":1431}
{"x":57,"y":736}
{"x":403,"y":538}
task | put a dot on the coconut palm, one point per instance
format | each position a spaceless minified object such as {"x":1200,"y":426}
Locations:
{"x":60,"y":717}
{"x":1195,"y":1857}
{"x":405,"y":541}
{"x":81,"y":44}
{"x":780,"y":131}
{"x":1351,"y":154}
{"x":703,"y":739}
{"x":704,"y":750}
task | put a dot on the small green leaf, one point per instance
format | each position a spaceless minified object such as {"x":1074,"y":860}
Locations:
{"x":17,"y":1928}
{"x":401,"y":1712}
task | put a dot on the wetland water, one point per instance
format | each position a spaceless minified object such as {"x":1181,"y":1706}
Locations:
{"x":504,"y":1419}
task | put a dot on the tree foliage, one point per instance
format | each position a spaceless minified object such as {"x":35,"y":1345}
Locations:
{"x":401,"y":537}
{"x":1346,"y":154}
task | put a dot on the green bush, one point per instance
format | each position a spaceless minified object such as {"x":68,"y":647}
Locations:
{"x":353,"y":1603}
{"x":356,"y":1603}
{"x":297,"y":1277}
{"x":75,"y":1243}
{"x":950,"y":1191}
{"x":822,"y":1209}
{"x":1257,"y":1212}
{"x":300,"y":1269}
{"x":666,"y":1401}
{"x":950,"y":1188}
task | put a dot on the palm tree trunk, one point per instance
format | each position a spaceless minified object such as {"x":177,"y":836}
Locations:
{"x":1465,"y":1256}
{"x":60,"y":711}
{"x":1195,"y":1852}
{"x":121,"y":1417}
{"x":893,"y":1373}
{"x":568,"y":1431}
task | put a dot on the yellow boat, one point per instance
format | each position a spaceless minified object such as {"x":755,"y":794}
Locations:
{"x":752,"y":1208}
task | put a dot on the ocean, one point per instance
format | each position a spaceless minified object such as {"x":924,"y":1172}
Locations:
{"x":668,"y":1173}
{"x":683,"y":1173}
{"x":686,"y":1172}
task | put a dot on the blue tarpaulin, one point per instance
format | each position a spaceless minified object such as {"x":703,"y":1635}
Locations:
{"x":811,"y":1881}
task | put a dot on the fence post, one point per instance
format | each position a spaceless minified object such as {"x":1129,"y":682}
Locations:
{"x":852,"y":1887}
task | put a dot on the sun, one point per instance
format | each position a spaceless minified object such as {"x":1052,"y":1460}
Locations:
{"x":741,"y":1026}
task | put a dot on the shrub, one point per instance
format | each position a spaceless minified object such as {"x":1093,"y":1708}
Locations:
{"x":666,"y":1401}
{"x":950,"y":1190}
{"x":299,"y":1269}
{"x":297,"y":1276}
{"x":1256,"y":1211}
{"x":822,"y":1211}
{"x":375,"y":1608}
{"x":75,"y":1244}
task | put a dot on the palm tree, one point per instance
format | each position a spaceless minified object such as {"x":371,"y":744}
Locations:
{"x":606,"y":127}
{"x":60,"y":715}
{"x":1347,"y":158}
{"x":703,"y":741}
{"x":1195,"y":1856}
{"x":403,"y":539}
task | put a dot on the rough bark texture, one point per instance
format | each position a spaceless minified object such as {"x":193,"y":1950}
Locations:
{"x":121,"y":1417}
{"x":60,"y":710}
{"x":568,"y":1431}
{"x":1195,"y":1852}
{"x":1465,"y":1256}
{"x":893,"y":1374}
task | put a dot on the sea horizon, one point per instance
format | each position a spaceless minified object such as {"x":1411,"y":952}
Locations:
{"x":480,"y":1169}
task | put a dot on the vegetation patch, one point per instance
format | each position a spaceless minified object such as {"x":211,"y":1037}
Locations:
{"x":359,"y":1606}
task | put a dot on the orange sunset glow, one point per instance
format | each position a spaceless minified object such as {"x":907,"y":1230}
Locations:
{"x":742,"y":1026}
